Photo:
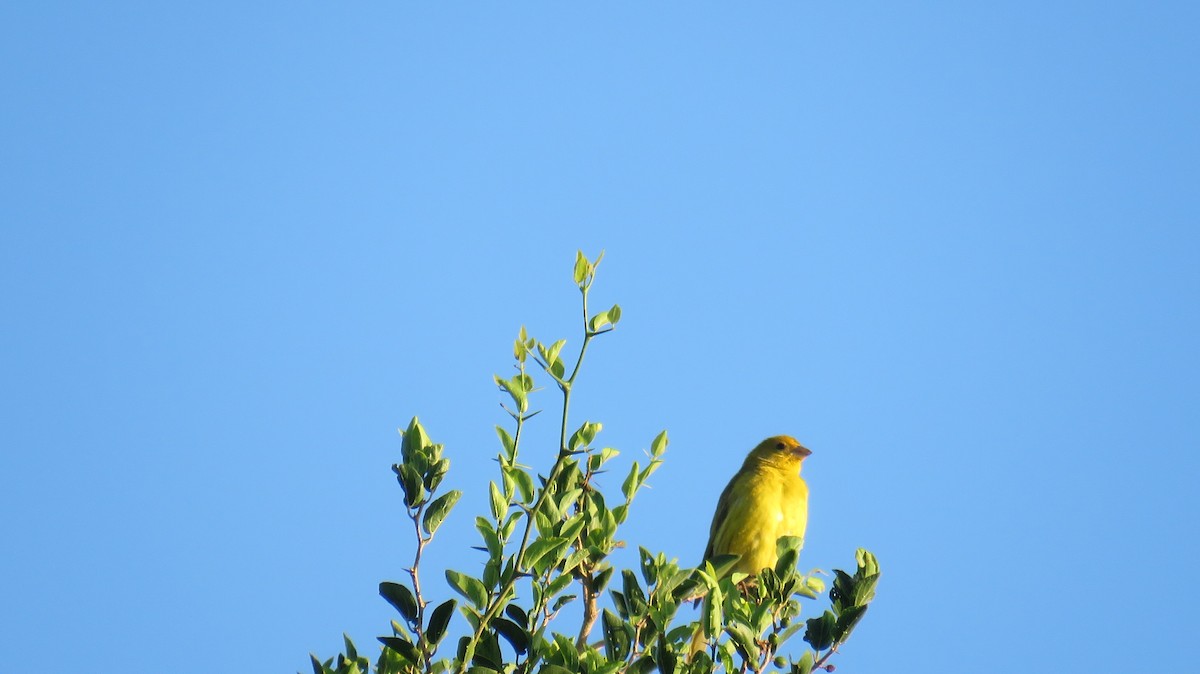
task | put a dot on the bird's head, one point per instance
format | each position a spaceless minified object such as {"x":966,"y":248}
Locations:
{"x":780,"y":450}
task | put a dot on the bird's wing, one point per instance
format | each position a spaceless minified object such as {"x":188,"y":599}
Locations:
{"x":724,"y":504}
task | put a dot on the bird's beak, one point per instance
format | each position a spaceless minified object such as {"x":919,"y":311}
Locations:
{"x":802,"y":451}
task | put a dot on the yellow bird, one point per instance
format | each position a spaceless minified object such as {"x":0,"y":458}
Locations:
{"x":765,"y":499}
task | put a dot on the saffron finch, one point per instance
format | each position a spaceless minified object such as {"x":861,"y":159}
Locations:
{"x":765,"y":499}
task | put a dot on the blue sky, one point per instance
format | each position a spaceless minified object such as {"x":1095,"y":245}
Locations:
{"x":952,"y":248}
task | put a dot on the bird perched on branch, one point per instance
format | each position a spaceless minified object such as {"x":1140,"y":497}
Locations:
{"x":766,"y":499}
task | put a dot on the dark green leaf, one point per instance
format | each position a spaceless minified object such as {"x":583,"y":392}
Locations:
{"x":664,"y":657}
{"x":620,"y":604}
{"x":401,"y":646}
{"x":470,"y":588}
{"x":821,"y":631}
{"x":634,"y":597}
{"x":847,"y":620}
{"x":413,"y":485}
{"x":555,"y":669}
{"x":841,"y":595}
{"x":648,"y":565}
{"x":513,"y":633}
{"x":400,"y":597}
{"x":438,"y":509}
{"x":602,"y":579}
{"x":438,"y":620}
{"x":318,"y":668}
{"x":617,"y":640}
{"x":487,"y":652}
{"x":517,"y":614}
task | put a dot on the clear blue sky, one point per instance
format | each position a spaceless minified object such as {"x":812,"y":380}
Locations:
{"x":953,"y":247}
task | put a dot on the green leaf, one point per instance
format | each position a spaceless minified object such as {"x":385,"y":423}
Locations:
{"x":470,"y":588}
{"x":401,"y":598}
{"x":413,"y":485}
{"x":498,"y":502}
{"x":401,"y":646}
{"x":867,"y":564}
{"x":659,"y":445}
{"x":437,"y":472}
{"x":571,"y":528}
{"x":664,"y":657}
{"x":555,"y":669}
{"x":524,"y":484}
{"x":584,"y":436}
{"x":744,"y":642}
{"x":490,"y":538}
{"x":847,"y":620}
{"x":413,"y":440}
{"x":787,"y":550}
{"x":630,"y":485}
{"x":634,"y":597}
{"x":598,"y":321}
{"x":513,"y":633}
{"x":649,"y":566}
{"x":581,"y":267}
{"x":617,"y":641}
{"x":517,"y":614}
{"x":806,"y":663}
{"x":543,"y":553}
{"x":821,"y":631}
{"x":506,"y":440}
{"x":438,"y":620}
{"x":614,"y":314}
{"x":438,"y":510}
{"x":487,"y":653}
{"x":723,"y":564}
{"x":559,"y":584}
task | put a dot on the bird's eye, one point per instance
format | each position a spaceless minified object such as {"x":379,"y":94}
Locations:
{"x":780,"y":446}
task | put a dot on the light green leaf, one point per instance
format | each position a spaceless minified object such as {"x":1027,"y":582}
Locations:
{"x":581,"y":267}
{"x":438,"y":510}
{"x":470,"y":588}
{"x":806,"y":663}
{"x":630,"y":486}
{"x":498,"y":502}
{"x":659,"y":445}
